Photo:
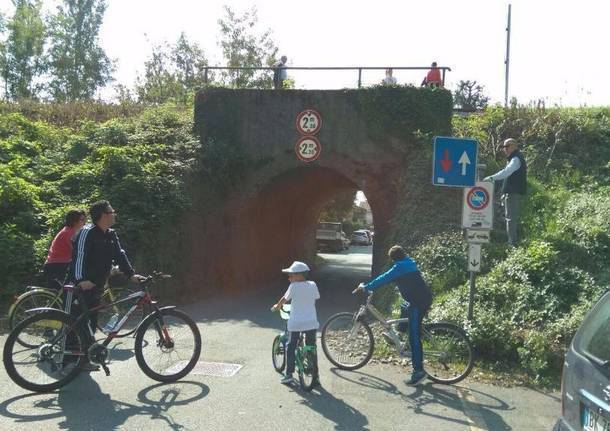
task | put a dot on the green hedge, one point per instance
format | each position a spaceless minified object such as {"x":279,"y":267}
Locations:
{"x":140,"y":164}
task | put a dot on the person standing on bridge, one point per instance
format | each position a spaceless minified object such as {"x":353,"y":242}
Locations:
{"x":279,"y":73}
{"x":433,"y":78}
{"x":514,"y":187}
{"x":416,"y":292}
{"x":389,"y":79}
{"x":302,"y":295}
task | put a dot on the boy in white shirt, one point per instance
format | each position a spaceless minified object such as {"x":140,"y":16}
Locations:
{"x":302,"y":295}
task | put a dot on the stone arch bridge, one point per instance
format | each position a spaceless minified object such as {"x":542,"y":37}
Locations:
{"x":264,"y":212}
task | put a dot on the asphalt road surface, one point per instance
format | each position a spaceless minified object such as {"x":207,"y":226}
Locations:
{"x":236,"y":388}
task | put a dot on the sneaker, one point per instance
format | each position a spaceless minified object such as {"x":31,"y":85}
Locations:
{"x":287,"y":379}
{"x":88,"y":367}
{"x":416,"y":378}
{"x":316,"y":383}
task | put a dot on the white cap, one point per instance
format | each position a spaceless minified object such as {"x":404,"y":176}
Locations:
{"x":296,"y":268}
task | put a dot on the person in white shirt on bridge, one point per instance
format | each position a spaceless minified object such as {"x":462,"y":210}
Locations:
{"x":302,"y":295}
{"x":389,"y":79}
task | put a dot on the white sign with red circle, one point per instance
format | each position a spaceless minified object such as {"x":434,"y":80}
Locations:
{"x":477,"y":211}
{"x":309,"y":122}
{"x":308,"y":148}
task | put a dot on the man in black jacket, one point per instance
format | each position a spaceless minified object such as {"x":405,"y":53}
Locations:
{"x":514,"y":185}
{"x":96,"y":248}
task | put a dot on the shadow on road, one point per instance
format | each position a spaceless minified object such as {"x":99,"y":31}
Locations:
{"x":84,"y":406}
{"x":344,"y":416}
{"x":431,"y":394}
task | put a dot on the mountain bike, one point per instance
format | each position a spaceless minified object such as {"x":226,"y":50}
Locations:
{"x":167,"y":342}
{"x":41,"y":297}
{"x":348,"y":343}
{"x":305,"y":355}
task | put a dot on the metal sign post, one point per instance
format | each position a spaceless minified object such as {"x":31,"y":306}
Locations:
{"x":477,"y":219}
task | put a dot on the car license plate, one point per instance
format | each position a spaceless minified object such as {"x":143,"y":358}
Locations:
{"x":594,"y":422}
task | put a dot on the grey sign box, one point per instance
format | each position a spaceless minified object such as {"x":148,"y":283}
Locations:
{"x":474,"y":257}
{"x":477,"y":236}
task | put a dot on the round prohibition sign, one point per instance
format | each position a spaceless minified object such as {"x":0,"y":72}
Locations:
{"x":308,"y":148}
{"x":477,"y":198}
{"x":309,"y":122}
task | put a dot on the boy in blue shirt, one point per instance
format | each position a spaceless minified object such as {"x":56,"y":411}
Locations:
{"x":414,"y":290}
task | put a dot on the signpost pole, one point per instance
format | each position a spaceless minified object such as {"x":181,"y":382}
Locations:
{"x":473,"y":285}
{"x":471,"y":300}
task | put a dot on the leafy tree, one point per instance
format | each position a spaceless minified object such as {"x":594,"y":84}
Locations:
{"x":173,"y":72}
{"x":243,"y":46}
{"x":79,"y":66}
{"x":469,"y":96}
{"x":23,"y":52}
{"x":339,"y":209}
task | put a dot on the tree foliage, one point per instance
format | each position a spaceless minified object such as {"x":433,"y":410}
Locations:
{"x":243,"y":46}
{"x":78,"y":64}
{"x":173,"y":72}
{"x":469,"y":96}
{"x":23,"y":59}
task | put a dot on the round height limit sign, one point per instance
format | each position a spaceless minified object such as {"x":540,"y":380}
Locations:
{"x":308,"y":147}
{"x":309,"y":122}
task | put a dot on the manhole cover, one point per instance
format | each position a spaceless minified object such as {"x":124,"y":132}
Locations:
{"x":214,"y":369}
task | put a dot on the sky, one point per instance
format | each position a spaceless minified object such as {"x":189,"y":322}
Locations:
{"x":559,"y":49}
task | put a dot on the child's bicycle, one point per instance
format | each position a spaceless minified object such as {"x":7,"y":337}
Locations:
{"x":47,"y":350}
{"x":348,"y":342}
{"x":41,"y":297}
{"x":305,"y":355}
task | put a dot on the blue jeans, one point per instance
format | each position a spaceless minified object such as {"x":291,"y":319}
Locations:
{"x":416,"y":316}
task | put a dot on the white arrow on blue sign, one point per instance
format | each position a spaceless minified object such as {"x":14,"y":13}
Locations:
{"x":455,"y":162}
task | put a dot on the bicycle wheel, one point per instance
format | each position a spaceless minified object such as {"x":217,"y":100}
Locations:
{"x":307,"y":357}
{"x":36,"y":298}
{"x":119,"y":310}
{"x":278,"y":354}
{"x":167,"y":345}
{"x":348,"y":344}
{"x":48,"y":365}
{"x":448,"y":353}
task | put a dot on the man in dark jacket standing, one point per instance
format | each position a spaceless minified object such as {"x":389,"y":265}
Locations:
{"x":96,"y":248}
{"x":514,"y":185}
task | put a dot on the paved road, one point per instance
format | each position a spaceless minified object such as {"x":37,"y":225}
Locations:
{"x":239,"y":331}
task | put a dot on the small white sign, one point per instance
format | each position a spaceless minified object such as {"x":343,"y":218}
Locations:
{"x":477,"y":236}
{"x":477,"y":212}
{"x":474,"y":257}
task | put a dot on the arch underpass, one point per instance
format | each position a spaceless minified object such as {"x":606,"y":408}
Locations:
{"x":268,"y":217}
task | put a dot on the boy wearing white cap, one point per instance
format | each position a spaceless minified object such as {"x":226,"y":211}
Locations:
{"x":302,"y":295}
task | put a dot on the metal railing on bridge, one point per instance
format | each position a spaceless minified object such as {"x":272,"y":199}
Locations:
{"x":443,"y":70}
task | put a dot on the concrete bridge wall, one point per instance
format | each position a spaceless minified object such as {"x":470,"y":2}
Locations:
{"x":267,"y":217}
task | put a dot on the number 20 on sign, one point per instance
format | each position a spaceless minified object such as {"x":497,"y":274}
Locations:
{"x":308,"y":148}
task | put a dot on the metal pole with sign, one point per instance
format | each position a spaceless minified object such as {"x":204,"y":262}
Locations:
{"x":477,"y":219}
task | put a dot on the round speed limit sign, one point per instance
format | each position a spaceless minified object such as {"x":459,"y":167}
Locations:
{"x":309,"y":122}
{"x":308,"y":148}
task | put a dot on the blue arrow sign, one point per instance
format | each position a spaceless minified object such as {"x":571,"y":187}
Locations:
{"x":455,"y":162}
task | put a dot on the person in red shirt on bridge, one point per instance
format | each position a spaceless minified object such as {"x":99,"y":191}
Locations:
{"x":433,"y":78}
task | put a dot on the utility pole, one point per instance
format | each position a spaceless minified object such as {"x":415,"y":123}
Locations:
{"x":507,"y":61}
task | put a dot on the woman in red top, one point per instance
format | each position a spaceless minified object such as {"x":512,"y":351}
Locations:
{"x":60,"y":253}
{"x":433,"y":78}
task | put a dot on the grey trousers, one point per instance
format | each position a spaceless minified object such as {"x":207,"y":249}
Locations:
{"x":512,"y":211}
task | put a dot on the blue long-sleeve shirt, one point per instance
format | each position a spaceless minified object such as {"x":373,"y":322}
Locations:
{"x":410,"y":283}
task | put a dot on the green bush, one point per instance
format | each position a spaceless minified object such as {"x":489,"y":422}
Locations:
{"x":140,"y":164}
